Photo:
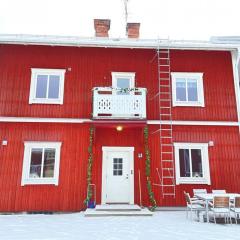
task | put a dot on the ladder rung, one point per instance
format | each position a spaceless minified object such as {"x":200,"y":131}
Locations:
{"x":165,"y":93}
{"x":167,"y":144}
{"x":166,"y":136}
{"x":167,"y":177}
{"x":167,"y":168}
{"x":164,"y":72}
{"x":168,"y":185}
{"x":165,"y":114}
{"x":164,"y":65}
{"x":163,"y":58}
{"x":166,"y":129}
{"x":165,"y":78}
{"x":167,"y":153}
{"x":164,"y":100}
{"x":164,"y":85}
{"x":169,"y":194}
{"x":165,"y":107}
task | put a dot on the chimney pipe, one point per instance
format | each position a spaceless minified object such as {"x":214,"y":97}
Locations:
{"x":102,"y":27}
{"x":133,"y":30}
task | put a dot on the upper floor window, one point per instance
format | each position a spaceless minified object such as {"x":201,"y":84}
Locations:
{"x":41,"y":163}
{"x":187,"y":89}
{"x":123,"y":82}
{"x":192,"y":163}
{"x":47,"y":86}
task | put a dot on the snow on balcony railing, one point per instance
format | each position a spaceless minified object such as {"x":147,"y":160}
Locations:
{"x":115,"y":103}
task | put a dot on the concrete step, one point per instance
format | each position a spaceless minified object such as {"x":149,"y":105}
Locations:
{"x":118,"y":207}
{"x":94,"y":213}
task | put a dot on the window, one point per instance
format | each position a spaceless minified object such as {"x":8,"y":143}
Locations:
{"x":47,"y":86}
{"x":117,"y":166}
{"x":192,"y":164}
{"x":123,"y":80}
{"x":41,"y":163}
{"x":187,"y":89}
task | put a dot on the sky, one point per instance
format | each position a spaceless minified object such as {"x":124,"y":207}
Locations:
{"x":174,"y":19}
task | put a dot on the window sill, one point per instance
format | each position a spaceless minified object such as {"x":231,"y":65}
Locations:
{"x":192,"y":181}
{"x":39,"y":182}
{"x":188,"y":104}
{"x":57,"y":102}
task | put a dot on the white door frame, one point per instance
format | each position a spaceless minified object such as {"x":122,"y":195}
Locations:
{"x":106,"y":150}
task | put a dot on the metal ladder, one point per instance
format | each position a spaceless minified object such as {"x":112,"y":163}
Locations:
{"x":167,"y":177}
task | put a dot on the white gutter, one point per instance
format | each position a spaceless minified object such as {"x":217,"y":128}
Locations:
{"x":113,"y":42}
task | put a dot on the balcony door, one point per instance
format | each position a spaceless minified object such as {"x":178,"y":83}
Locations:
{"x":117,"y":175}
{"x":124,"y":82}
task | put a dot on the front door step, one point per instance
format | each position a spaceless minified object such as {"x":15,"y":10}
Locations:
{"x":118,"y":207}
{"x":117,"y":210}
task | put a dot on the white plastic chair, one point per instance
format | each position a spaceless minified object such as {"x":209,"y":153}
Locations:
{"x":218,"y":191}
{"x":235,"y":207}
{"x":193,"y":205}
{"x":221,"y":206}
{"x":199,"y":191}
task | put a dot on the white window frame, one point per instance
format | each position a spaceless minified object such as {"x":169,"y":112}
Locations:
{"x":38,"y":71}
{"x":28,"y":146}
{"x":200,"y":90}
{"x":205,"y":164}
{"x":129,"y":75}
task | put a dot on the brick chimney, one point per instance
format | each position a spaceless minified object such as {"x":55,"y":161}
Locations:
{"x":133,"y":30}
{"x":102,"y":27}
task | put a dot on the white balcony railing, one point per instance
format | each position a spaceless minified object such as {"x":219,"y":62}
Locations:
{"x":119,"y":103}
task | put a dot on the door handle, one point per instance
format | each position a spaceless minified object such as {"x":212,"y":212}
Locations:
{"x":126,"y":176}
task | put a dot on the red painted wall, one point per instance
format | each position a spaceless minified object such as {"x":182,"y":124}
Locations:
{"x":91,"y":67}
{"x":70,"y":193}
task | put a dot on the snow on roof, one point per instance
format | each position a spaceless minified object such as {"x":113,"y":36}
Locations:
{"x":26,"y":39}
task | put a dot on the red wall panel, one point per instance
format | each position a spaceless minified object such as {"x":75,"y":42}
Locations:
{"x":70,"y":193}
{"x":91,"y":67}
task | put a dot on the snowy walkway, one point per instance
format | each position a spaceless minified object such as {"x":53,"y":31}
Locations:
{"x":163,"y":225}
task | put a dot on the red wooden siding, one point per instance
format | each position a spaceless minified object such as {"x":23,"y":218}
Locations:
{"x":70,"y":193}
{"x":223,"y":158}
{"x":91,"y":67}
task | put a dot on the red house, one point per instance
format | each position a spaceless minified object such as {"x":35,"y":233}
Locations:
{"x":121,"y":120}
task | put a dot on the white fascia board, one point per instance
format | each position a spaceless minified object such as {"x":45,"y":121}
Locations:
{"x":113,"y":42}
{"x":44,"y":120}
{"x":195,"y":123}
{"x":85,"y":120}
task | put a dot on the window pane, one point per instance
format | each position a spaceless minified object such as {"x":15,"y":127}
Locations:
{"x":184,"y":162}
{"x":181,"y":89}
{"x":123,"y":83}
{"x":53,"y":90}
{"x":36,"y":163}
{"x":49,"y":161}
{"x":41,"y":88}
{"x":196,"y":163}
{"x":192,"y":90}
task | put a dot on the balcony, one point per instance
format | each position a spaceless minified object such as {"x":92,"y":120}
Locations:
{"x":109,"y":103}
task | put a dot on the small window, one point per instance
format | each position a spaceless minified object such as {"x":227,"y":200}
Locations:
{"x":41,"y":163}
{"x":192,"y":164}
{"x":187,"y":89}
{"x":47,"y":86}
{"x":123,"y":82}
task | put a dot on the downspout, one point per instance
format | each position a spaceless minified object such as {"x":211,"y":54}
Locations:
{"x":235,"y":65}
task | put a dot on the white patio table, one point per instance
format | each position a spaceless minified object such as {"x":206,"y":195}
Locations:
{"x":208,"y":197}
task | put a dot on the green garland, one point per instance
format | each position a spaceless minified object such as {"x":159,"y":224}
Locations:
{"x":89,"y":167}
{"x":148,"y":170}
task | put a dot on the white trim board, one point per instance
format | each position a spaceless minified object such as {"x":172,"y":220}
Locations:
{"x":235,"y":61}
{"x":86,"y":120}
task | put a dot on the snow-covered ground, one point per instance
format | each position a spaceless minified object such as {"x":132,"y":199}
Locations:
{"x":163,"y":225}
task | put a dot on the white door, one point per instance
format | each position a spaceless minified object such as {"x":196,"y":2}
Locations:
{"x":118,"y":175}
